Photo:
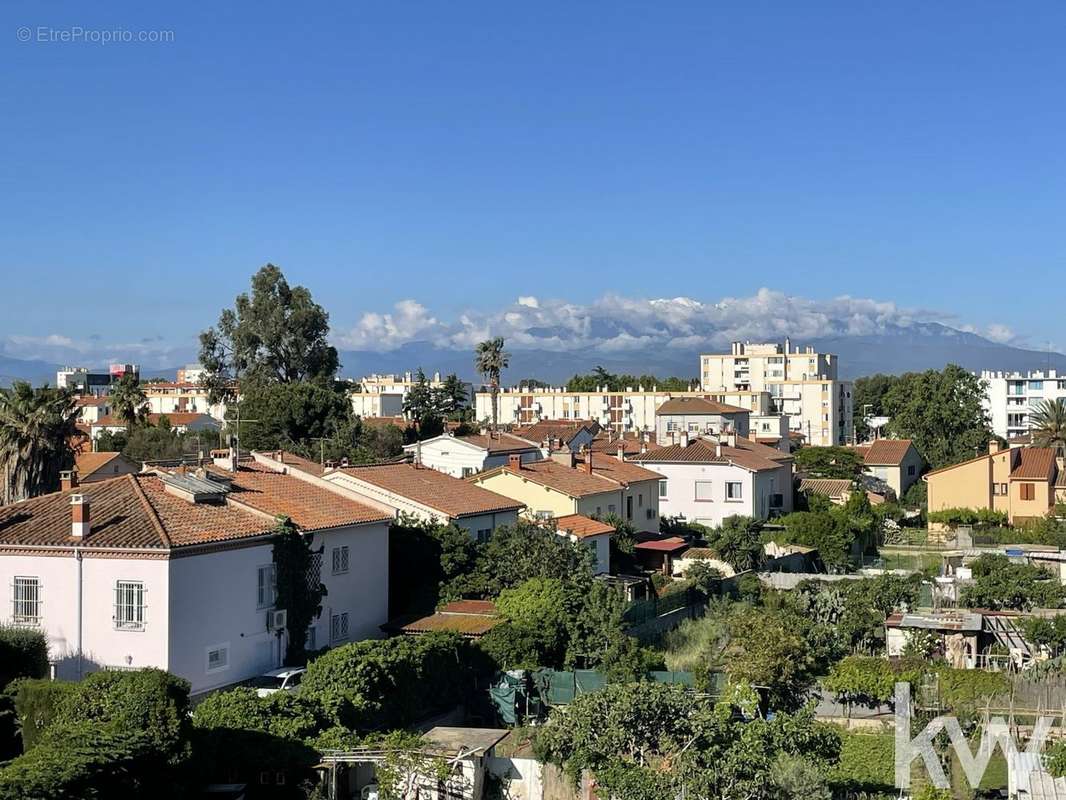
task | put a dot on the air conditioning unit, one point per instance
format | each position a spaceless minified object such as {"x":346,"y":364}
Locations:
{"x":277,"y":619}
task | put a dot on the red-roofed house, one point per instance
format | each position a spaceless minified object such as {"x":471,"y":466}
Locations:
{"x":895,"y":461}
{"x":697,"y":415}
{"x":463,"y":456}
{"x":706,"y":478}
{"x":174,"y":569}
{"x":1025,"y":483}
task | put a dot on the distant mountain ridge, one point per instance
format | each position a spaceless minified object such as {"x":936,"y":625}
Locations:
{"x":893,"y":350}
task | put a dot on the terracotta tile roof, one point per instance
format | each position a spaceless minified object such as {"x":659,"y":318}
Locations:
{"x":90,"y":400}
{"x":697,"y":405}
{"x":454,"y":497}
{"x":701,"y":552}
{"x":137,"y":511}
{"x":669,"y":545}
{"x":88,"y":463}
{"x":293,"y":460}
{"x":311,"y":507}
{"x":499,"y":442}
{"x":608,"y":475}
{"x":887,"y":452}
{"x":563,"y":429}
{"x":582,"y":526}
{"x":609,"y":466}
{"x":830,"y":487}
{"x":750,"y":455}
{"x":1034,"y":463}
{"x":382,"y":422}
{"x":606,"y":442}
{"x":176,"y":419}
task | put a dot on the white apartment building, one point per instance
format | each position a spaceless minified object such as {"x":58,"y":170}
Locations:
{"x":626,"y":411}
{"x":802,"y":384}
{"x":1010,"y":398}
{"x":383,"y":395}
{"x":175,"y":570}
{"x":181,"y":398}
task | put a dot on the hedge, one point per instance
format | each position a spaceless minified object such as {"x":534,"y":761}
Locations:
{"x":968,"y":516}
{"x":36,"y":704}
{"x":23,"y":654}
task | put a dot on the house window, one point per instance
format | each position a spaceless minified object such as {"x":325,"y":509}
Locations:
{"x":26,"y":601}
{"x":703,"y":491}
{"x":311,"y":640}
{"x":338,"y":627}
{"x":267,"y":586}
{"x":483,"y":535}
{"x":594,"y":552}
{"x":129,"y":605}
{"x":610,"y":508}
{"x":548,"y":515}
{"x":1028,"y":491}
{"x":734,"y":490}
{"x":640,"y":501}
{"x":662,"y":488}
{"x":910,"y":469}
{"x":340,"y":560}
{"x":218,"y":657}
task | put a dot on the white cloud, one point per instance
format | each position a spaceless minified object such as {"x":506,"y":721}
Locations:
{"x":998,"y":332}
{"x":408,"y":322}
{"x":614,"y":323}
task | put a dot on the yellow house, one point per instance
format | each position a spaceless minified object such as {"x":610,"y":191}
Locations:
{"x":590,"y":484}
{"x":1022,"y":482}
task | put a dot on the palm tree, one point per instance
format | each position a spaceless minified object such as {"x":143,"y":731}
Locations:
{"x":128,"y":401}
{"x":1048,"y":425}
{"x":490,"y":360}
{"x":36,"y":428}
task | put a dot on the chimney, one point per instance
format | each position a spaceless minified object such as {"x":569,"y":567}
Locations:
{"x":418,"y":454}
{"x":684,"y":438}
{"x":514,"y":462}
{"x":621,"y":452}
{"x":731,"y":439}
{"x":588,"y":461}
{"x":718,"y":449}
{"x":68,"y":479}
{"x":79,"y":517}
{"x":993,"y":446}
{"x":233,"y":457}
{"x":644,"y":447}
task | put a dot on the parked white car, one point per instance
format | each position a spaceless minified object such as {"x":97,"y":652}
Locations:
{"x":277,"y":680}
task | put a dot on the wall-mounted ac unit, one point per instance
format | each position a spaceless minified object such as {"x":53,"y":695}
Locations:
{"x":277,"y":619}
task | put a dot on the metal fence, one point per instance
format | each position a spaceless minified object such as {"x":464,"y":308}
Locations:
{"x":642,"y":611}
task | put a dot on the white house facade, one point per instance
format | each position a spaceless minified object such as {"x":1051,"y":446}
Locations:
{"x":463,"y":456}
{"x":175,"y":570}
{"x":705,"y":481}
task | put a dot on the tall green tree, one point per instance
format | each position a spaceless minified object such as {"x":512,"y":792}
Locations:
{"x":128,"y":401}
{"x":942,"y":412}
{"x":1048,"y":425}
{"x":868,"y":399}
{"x":276,"y":334}
{"x":738,"y":542}
{"x":490,"y":360}
{"x":452,"y":397}
{"x":36,"y":428}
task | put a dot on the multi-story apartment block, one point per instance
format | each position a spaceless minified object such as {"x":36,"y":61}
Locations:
{"x":383,"y":395}
{"x":181,"y":398}
{"x":630,"y":410}
{"x":803,"y":385}
{"x":1011,"y":397}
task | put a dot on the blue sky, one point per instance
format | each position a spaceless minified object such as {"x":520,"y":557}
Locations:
{"x":460,"y":155}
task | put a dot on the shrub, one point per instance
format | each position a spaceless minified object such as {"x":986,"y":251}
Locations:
{"x":389,"y":683}
{"x":23,"y":654}
{"x":968,"y":516}
{"x":36,"y":704}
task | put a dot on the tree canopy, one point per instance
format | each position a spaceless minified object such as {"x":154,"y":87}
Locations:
{"x":276,"y":334}
{"x":37,"y":427}
{"x":600,"y":377}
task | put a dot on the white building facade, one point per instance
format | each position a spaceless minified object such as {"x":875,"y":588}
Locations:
{"x":463,"y":456}
{"x":134,"y":572}
{"x":1011,"y":398}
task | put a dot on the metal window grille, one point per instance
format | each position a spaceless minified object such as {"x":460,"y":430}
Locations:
{"x":339,"y":627}
{"x":26,"y":601}
{"x":340,"y":560}
{"x":129,"y":605}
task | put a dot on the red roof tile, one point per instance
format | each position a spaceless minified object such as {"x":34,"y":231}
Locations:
{"x":697,"y":405}
{"x":454,"y":497}
{"x":1034,"y":463}
{"x":887,"y":452}
{"x":582,"y":526}
{"x":701,"y":450}
{"x":669,"y":545}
